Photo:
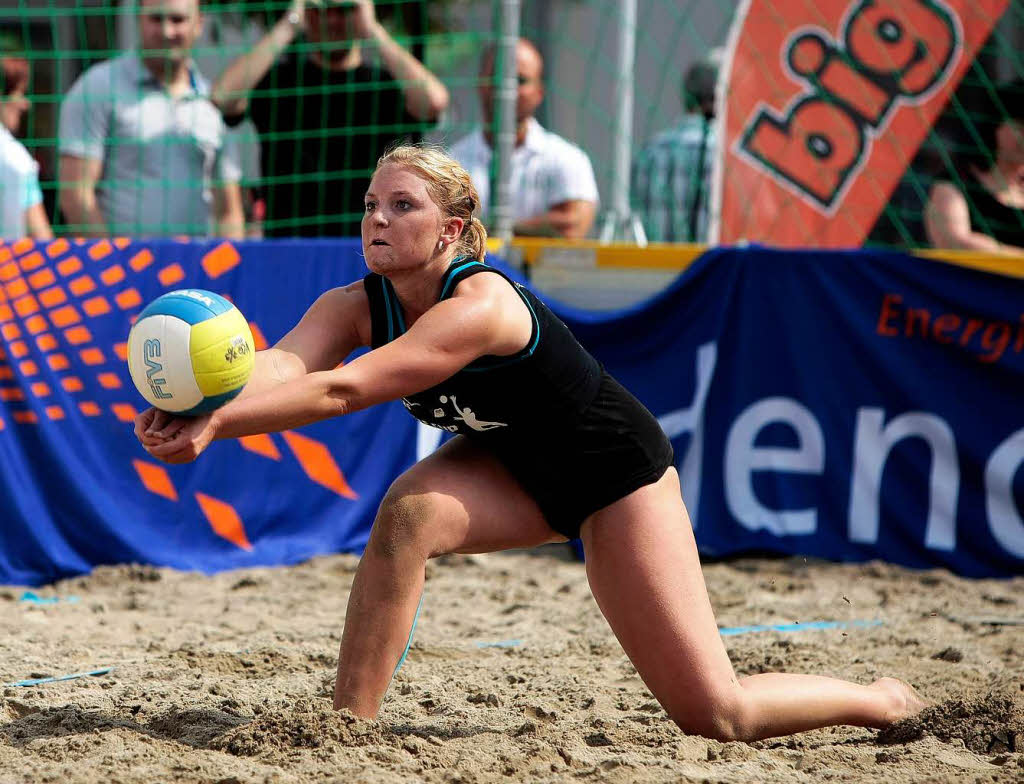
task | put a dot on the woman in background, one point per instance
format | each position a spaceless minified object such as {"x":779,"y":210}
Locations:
{"x":983,"y":209}
{"x":21,"y":200}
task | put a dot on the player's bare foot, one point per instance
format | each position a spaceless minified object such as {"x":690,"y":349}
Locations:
{"x":905,"y":699}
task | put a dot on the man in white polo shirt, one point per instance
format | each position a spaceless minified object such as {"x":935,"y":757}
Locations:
{"x":143,"y":151}
{"x":554,"y":192}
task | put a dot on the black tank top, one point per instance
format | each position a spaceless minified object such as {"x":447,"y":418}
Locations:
{"x":499,"y":401}
{"x":990,"y":216}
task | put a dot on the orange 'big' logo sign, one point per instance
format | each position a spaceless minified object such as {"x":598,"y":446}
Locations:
{"x":819,"y":126}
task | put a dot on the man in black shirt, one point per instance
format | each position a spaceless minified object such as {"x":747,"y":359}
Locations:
{"x":324,"y":114}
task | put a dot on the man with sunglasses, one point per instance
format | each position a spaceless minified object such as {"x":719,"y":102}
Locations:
{"x":324,"y":112}
{"x":554,"y":192}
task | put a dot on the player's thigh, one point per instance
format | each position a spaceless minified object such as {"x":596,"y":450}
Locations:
{"x":462,"y":499}
{"x":645,"y":573}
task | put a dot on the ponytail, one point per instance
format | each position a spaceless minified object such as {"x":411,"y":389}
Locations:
{"x":473,"y":242}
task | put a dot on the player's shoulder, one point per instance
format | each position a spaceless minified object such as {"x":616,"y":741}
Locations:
{"x":487,"y":288}
{"x":106,"y":74}
{"x":559,"y":151}
{"x":349,"y":295}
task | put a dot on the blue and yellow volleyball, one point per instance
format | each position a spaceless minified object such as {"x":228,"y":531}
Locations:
{"x":190,"y":351}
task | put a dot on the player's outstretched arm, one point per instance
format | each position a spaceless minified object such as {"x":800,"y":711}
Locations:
{"x":441,"y":342}
{"x":333,"y":327}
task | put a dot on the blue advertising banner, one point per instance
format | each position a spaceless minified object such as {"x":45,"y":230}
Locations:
{"x":847,"y":405}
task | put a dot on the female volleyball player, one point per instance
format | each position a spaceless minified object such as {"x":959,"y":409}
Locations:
{"x":542,"y":430}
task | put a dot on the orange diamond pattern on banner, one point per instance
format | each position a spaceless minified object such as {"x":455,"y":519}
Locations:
{"x":32,"y":261}
{"x":24,"y":245}
{"x":171,"y":274}
{"x":46,"y":342}
{"x":224,"y":520}
{"x":89,"y":409}
{"x":221,"y":259}
{"x":51,"y":298}
{"x":40,"y":388}
{"x":92,"y":356}
{"x":6,"y":314}
{"x":155,"y":479}
{"x":9,"y":271}
{"x":18,"y":349}
{"x":28,"y":367}
{"x":62,"y":317}
{"x":129,"y":298}
{"x":69,"y":266}
{"x":318,"y":464}
{"x":122,"y":242}
{"x":10,"y":331}
{"x":36,"y":324}
{"x":100,"y":250}
{"x":25,"y":417}
{"x":58,"y":362}
{"x":121,"y":349}
{"x":112,"y":275}
{"x":57,"y":247}
{"x":141,"y":260}
{"x":55,"y":412}
{"x":78,"y":335}
{"x":96,"y":306}
{"x":262,"y":445}
{"x":72,"y":384}
{"x":82,"y":285}
{"x":42,"y":279}
{"x":8,"y":394}
{"x":16,"y":288}
{"x":124,"y":411}
{"x":109,"y":380}
{"x":26,"y":306}
{"x":6,"y":373}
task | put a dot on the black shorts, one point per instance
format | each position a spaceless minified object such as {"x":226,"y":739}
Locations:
{"x":614,"y":447}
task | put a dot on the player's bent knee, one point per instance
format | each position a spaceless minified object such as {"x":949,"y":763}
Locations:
{"x":725,"y":719}
{"x":406,"y":523}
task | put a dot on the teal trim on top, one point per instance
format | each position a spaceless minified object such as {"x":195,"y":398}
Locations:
{"x":453,"y":272}
{"x":395,"y":317}
{"x":387,"y":306}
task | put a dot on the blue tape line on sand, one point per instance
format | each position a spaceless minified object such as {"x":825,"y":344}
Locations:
{"x":54,"y":679}
{"x":796,"y":627}
{"x":500,"y":644}
{"x":35,"y":598}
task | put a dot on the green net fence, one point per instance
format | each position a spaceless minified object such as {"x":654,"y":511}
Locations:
{"x":288,"y":148}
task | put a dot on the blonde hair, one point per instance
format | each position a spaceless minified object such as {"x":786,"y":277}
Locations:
{"x":449,"y":187}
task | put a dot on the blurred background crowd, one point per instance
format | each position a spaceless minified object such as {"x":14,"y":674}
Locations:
{"x":265,"y":119}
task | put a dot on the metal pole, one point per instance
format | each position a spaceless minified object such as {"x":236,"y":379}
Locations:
{"x":505,"y":119}
{"x":618,"y":221}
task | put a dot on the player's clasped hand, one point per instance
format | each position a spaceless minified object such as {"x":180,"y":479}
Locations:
{"x":174,"y":439}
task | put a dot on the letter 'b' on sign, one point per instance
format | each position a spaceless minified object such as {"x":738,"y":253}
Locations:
{"x":814,"y":148}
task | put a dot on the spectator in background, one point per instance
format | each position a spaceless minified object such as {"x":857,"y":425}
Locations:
{"x":671,"y":177}
{"x":554,"y":192}
{"x":326,"y":115}
{"x":21,"y":200}
{"x":142,"y":148}
{"x":982,"y":208}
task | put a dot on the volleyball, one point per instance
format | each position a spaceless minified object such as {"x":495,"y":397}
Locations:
{"x":190,"y":351}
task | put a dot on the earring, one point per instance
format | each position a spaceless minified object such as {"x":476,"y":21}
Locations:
{"x":440,"y":244}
